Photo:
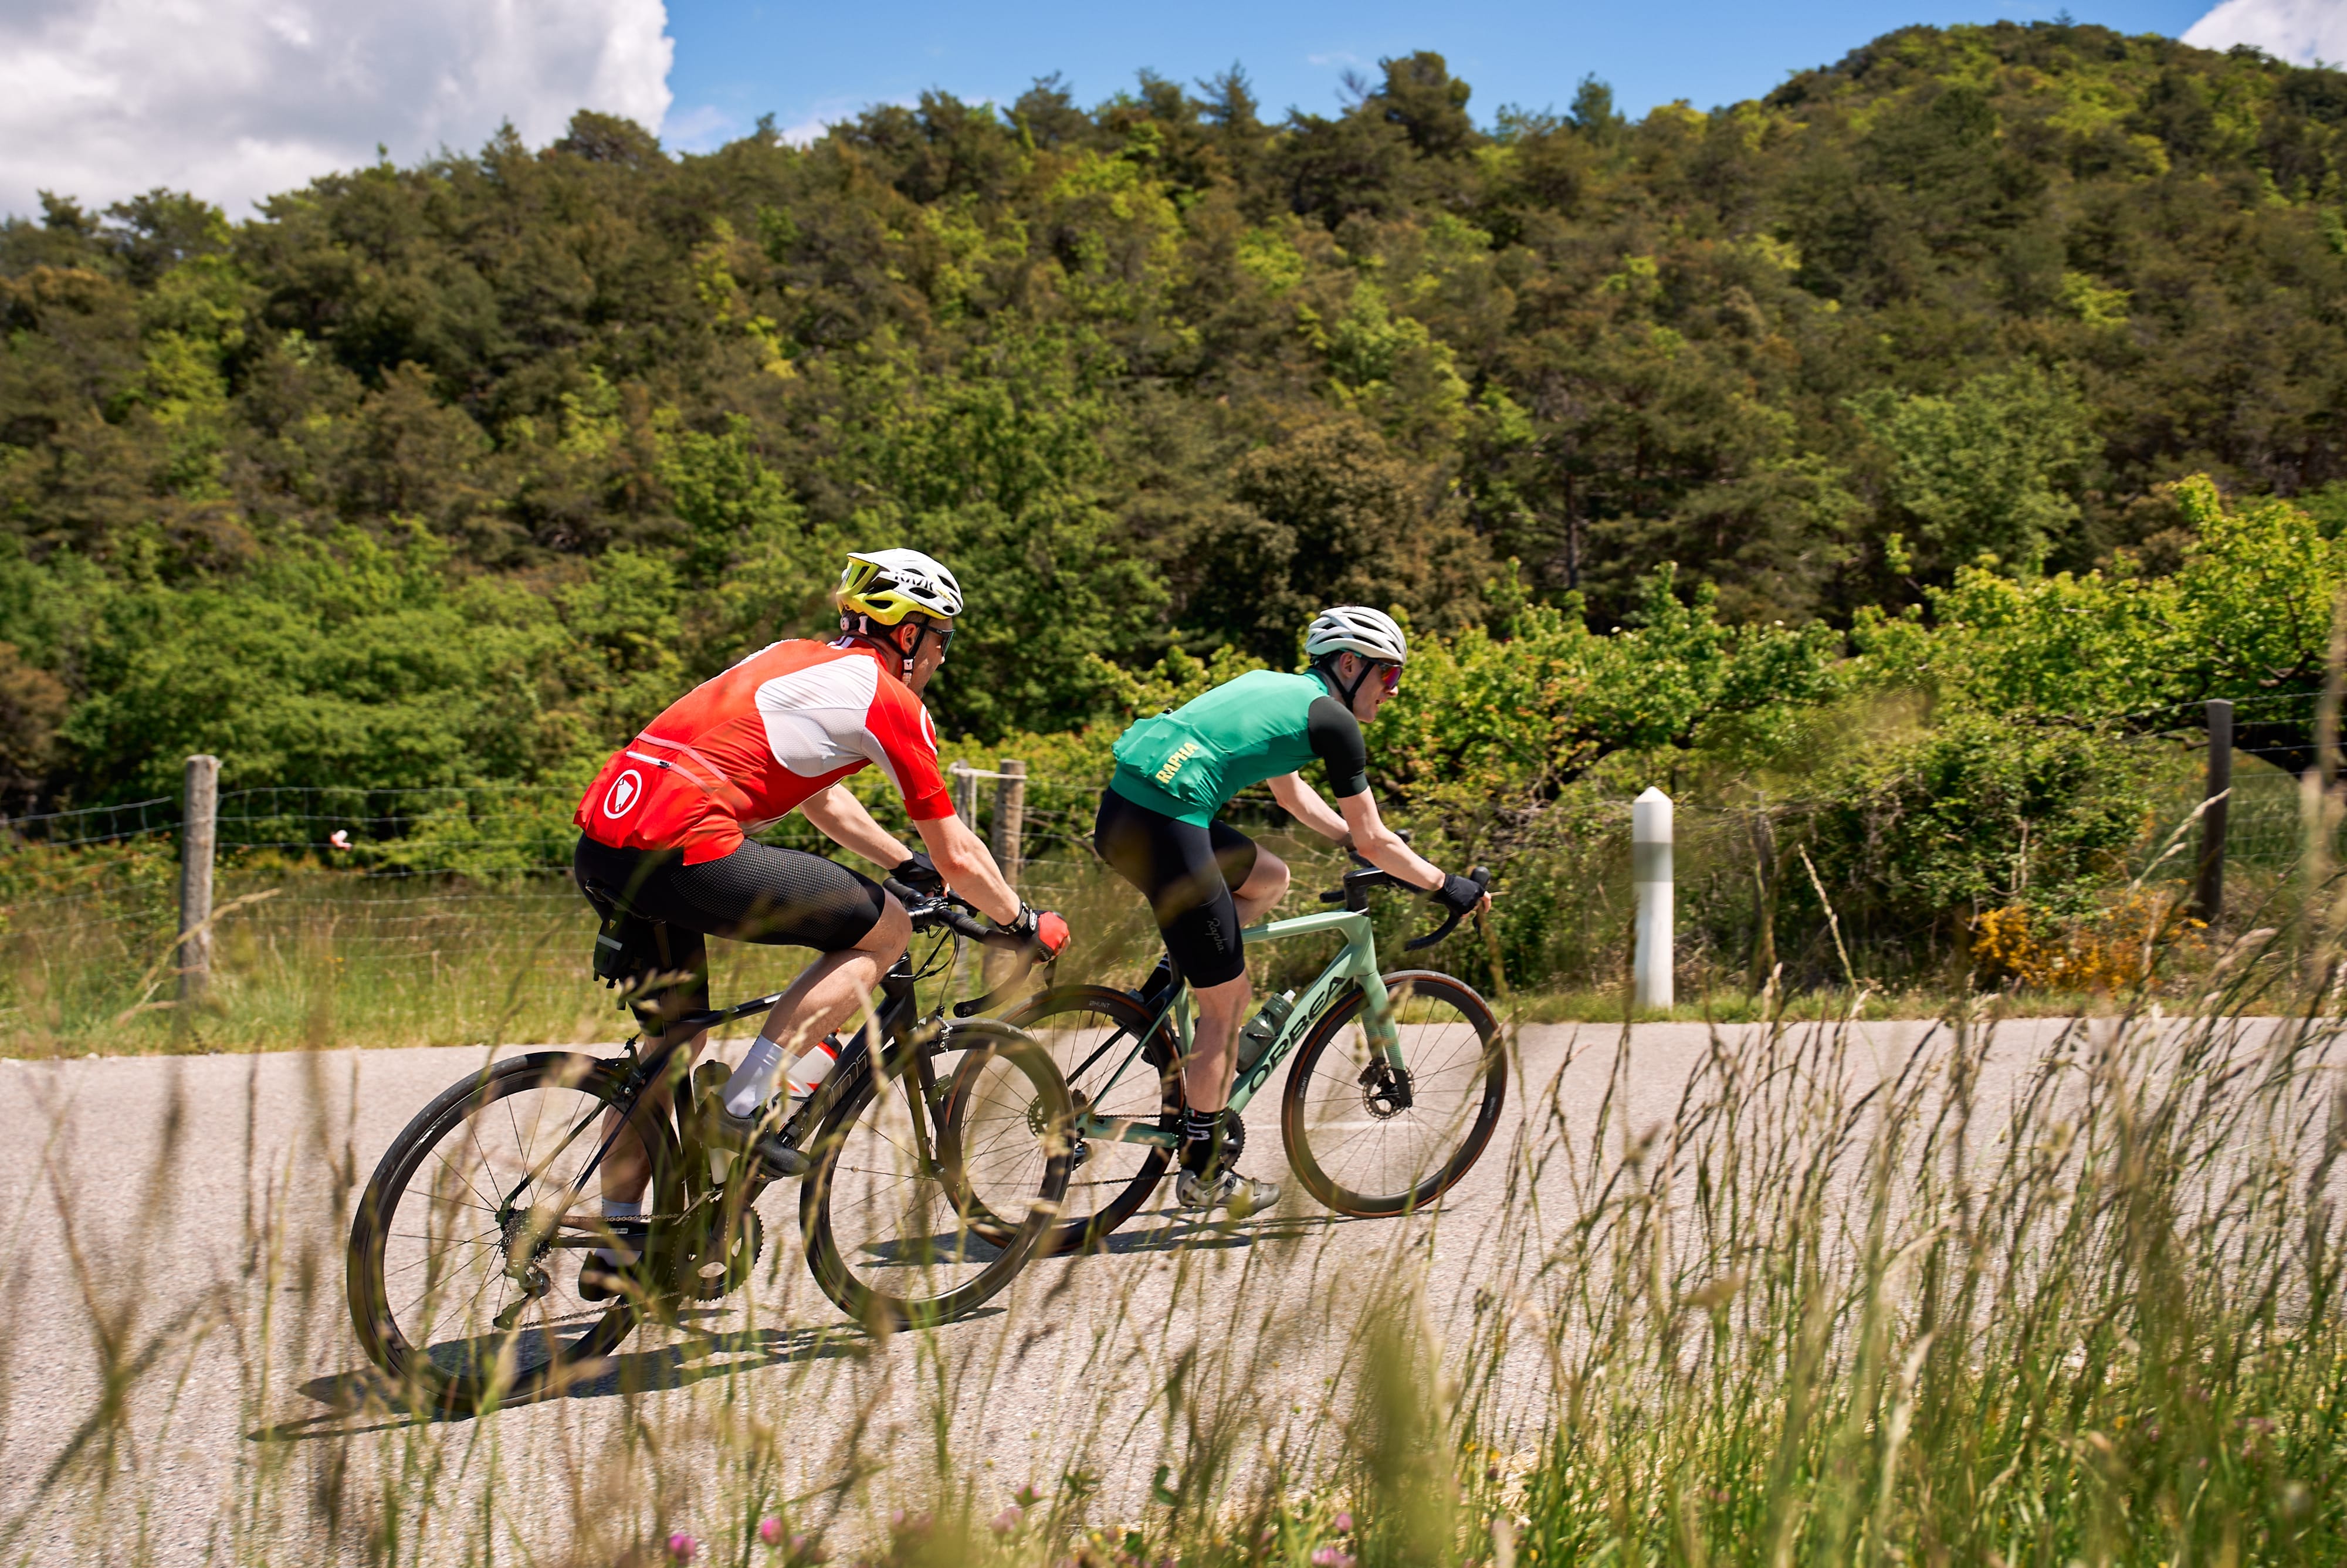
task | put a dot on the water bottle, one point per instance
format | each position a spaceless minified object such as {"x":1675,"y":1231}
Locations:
{"x":1263,"y":1028}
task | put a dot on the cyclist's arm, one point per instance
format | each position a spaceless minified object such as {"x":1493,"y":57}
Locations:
{"x":967,"y":868}
{"x":839,"y":816}
{"x":1303,"y":803}
{"x":1376,"y":842}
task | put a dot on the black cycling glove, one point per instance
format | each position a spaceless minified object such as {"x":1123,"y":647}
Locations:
{"x":1459,"y":894}
{"x":920,"y":875}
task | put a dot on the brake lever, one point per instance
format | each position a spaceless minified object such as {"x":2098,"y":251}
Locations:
{"x":945,"y":909}
{"x":1482,"y":877}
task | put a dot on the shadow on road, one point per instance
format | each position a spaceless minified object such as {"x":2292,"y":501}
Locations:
{"x":362,"y":1401}
{"x":1177,"y":1230}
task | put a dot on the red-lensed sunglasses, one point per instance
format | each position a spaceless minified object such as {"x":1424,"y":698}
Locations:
{"x":1390,"y":676}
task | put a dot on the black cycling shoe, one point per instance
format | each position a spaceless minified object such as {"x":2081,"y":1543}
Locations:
{"x":602,"y":1279}
{"x":760,"y":1138}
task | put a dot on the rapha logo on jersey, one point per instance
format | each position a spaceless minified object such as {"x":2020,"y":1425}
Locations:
{"x":625,"y":790}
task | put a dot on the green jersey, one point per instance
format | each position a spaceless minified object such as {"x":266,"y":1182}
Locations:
{"x":1189,"y":763}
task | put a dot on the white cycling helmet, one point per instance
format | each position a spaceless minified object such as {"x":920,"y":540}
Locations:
{"x":887,"y":585}
{"x":1353,"y":628}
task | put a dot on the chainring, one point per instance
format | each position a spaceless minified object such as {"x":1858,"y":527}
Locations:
{"x":749,"y":1241}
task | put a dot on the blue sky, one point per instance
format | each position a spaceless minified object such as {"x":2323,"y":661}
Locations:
{"x":808,"y":64}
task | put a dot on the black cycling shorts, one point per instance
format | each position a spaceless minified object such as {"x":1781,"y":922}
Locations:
{"x":757,"y":894}
{"x":1188,"y":874}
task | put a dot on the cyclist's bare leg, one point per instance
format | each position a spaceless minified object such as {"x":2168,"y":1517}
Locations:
{"x":1212,"y":1063}
{"x":832,"y":989}
{"x":826,"y":993}
{"x":1266,"y":885}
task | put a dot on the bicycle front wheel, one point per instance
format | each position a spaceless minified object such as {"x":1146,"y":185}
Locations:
{"x":463,"y":1270}
{"x":891,"y":1234}
{"x":1366,"y":1137}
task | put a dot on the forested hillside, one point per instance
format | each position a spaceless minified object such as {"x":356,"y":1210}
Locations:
{"x":454,"y":473}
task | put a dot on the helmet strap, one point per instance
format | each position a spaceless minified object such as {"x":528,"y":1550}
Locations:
{"x":856,"y":626}
{"x":1346,"y":694}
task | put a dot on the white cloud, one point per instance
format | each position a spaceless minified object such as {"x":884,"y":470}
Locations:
{"x":702,"y":129}
{"x":237,"y":99}
{"x":825,"y":113}
{"x":2301,"y":30}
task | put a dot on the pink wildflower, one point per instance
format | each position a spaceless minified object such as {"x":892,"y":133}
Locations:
{"x":769,"y":1531}
{"x":1009,"y":1520}
{"x":1344,"y":1524}
{"x":681,"y":1546}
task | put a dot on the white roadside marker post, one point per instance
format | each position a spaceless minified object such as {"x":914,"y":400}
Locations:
{"x":1650,"y":877}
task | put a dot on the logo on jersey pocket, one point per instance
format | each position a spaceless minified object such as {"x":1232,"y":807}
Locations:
{"x":625,"y":791}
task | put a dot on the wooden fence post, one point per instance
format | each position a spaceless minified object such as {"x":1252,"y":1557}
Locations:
{"x":2209,"y":897}
{"x":199,"y":835}
{"x":964,"y":794}
{"x":1011,"y":817}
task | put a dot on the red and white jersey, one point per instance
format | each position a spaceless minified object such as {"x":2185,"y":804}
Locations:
{"x":744,"y":749}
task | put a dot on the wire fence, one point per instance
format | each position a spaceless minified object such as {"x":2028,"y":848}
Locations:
{"x":439,"y":891}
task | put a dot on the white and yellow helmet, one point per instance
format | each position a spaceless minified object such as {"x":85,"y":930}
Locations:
{"x":888,"y":585}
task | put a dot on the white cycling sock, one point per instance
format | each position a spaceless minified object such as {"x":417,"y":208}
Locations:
{"x":613,"y":1209}
{"x":753,"y":1082}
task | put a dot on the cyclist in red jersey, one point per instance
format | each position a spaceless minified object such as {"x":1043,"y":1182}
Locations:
{"x":664,"y":834}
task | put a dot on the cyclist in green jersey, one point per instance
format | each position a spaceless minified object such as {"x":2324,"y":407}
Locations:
{"x":1205,"y":881}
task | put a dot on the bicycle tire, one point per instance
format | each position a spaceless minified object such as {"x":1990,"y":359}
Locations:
{"x":1083,"y":1224}
{"x":530,"y":1355}
{"x":1321,"y":1129}
{"x":866,"y":1169}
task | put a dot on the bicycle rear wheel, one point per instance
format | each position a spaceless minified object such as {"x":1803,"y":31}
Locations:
{"x":1088,"y":1030}
{"x":1367,"y":1139}
{"x":462,"y":1268}
{"x":890,"y":1232}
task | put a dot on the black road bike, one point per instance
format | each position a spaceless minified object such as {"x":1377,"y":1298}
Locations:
{"x":463,"y":1266}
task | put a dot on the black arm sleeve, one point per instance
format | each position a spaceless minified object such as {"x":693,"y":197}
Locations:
{"x":1335,"y":737}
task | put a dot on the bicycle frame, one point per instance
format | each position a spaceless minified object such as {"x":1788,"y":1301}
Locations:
{"x":897,"y":1021}
{"x":1355,"y":964}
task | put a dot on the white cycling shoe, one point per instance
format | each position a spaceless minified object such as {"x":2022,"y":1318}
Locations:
{"x":1228,"y":1190}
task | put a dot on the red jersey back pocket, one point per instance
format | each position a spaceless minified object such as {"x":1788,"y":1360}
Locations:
{"x":642,"y":801}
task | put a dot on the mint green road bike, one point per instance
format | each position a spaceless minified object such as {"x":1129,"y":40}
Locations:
{"x":1396,"y":1088}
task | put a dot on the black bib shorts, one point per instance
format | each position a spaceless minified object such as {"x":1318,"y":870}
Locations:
{"x":1188,"y":874}
{"x":759,"y":893}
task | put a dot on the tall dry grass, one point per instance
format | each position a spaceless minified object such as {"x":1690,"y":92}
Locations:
{"x":1979,"y":1292}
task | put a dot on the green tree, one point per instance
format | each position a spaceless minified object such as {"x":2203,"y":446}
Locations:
{"x":1985,"y":470}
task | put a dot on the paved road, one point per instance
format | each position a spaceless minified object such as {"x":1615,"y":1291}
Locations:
{"x":185,"y":1212}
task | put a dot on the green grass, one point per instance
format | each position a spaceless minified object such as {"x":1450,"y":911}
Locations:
{"x":309,"y":958}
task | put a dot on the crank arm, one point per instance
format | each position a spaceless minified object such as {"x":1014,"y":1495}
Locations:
{"x":1093,"y":1129}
